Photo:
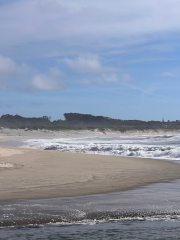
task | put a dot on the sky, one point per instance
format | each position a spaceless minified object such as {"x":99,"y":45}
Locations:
{"x":118,"y":58}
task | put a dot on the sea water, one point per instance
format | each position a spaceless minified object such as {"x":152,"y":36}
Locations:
{"x":156,"y":146}
{"x":151,"y":212}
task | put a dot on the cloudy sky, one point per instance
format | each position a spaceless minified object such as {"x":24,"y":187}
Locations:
{"x":118,"y":58}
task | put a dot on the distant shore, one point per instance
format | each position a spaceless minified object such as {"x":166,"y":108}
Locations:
{"x":7,"y":134}
{"x":79,"y":121}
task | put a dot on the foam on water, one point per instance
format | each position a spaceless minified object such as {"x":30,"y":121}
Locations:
{"x":158,"y":202}
{"x":156,"y":146}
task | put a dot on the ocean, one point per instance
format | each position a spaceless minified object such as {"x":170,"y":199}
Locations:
{"x":151,"y":212}
{"x":144,"y":146}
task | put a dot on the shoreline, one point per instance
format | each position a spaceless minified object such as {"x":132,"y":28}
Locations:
{"x":7,"y":134}
{"x":156,"y":201}
{"x":42,"y":174}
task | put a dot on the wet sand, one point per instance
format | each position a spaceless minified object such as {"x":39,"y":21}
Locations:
{"x":38,"y":174}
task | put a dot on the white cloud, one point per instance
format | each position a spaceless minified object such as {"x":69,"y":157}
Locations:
{"x":87,"y":22}
{"x":55,"y":72}
{"x":49,"y":81}
{"x":42,"y":82}
{"x":22,"y":77}
{"x":102,"y":79}
{"x":7,"y":65}
{"x":87,"y":64}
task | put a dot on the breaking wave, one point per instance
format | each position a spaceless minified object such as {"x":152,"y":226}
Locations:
{"x":162,"y":147}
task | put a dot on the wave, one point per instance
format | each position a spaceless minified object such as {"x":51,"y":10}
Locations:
{"x":162,"y":147}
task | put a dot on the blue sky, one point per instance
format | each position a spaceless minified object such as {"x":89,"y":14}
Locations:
{"x":118,"y":58}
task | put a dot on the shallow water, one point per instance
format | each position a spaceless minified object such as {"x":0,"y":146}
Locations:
{"x":133,"y":230}
{"x":154,"y":202}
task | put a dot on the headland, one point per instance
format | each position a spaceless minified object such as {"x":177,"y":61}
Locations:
{"x":78,"y":121}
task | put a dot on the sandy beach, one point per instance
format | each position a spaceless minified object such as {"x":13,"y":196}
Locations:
{"x":7,"y":134}
{"x":37,"y":174}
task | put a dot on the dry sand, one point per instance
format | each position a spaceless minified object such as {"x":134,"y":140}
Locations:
{"x":36,"y":174}
{"x":6,"y":152}
{"x":7,"y":134}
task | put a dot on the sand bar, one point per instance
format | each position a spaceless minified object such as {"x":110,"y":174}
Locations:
{"x":48,"y":174}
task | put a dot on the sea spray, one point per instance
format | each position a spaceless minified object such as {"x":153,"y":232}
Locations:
{"x":156,"y":146}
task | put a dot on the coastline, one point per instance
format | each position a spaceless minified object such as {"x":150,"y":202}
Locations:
{"x":7,"y":134}
{"x":41,"y":174}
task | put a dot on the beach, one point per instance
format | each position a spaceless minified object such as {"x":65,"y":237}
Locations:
{"x":37,"y":174}
{"x":57,"y":183}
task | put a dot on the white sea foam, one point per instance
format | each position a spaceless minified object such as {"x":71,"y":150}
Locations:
{"x":162,"y":147}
